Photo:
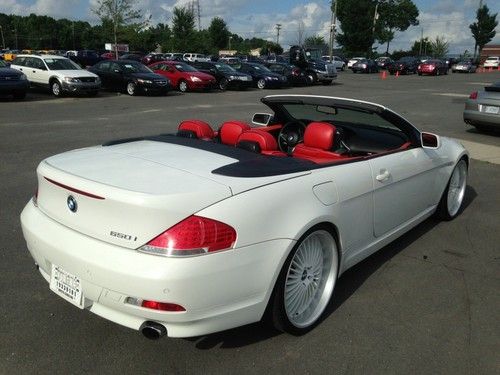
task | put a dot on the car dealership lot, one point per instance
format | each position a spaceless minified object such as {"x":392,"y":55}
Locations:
{"x":427,"y":303}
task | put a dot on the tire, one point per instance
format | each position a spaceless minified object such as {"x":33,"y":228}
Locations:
{"x":343,"y":68}
{"x":305,"y":284}
{"x":223,"y":84}
{"x":261,"y":83}
{"x":56,"y":89}
{"x":312,"y":77}
{"x":183,"y":86}
{"x":327,"y":83}
{"x":131,"y":88}
{"x":19,"y":95}
{"x":451,"y":202}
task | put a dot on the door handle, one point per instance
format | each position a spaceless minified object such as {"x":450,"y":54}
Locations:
{"x":383,"y":176}
{"x":34,"y":71}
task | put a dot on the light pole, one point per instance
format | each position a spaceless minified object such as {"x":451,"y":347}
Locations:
{"x":332,"y":28}
{"x":278,"y":28}
{"x":15,"y":33}
{"x":375,"y":18}
{"x":3,"y":40}
{"x":230,"y":37}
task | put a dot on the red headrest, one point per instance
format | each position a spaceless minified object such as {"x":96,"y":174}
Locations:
{"x":231,"y":130}
{"x":201,"y":128}
{"x":320,"y":135}
{"x":265,"y":140}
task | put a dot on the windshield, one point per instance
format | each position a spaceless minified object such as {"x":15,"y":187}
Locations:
{"x":260,"y":68}
{"x":136,"y":68}
{"x":2,"y":64}
{"x":225,"y":68}
{"x":185,"y":68}
{"x":310,"y":112}
{"x":61,"y":64}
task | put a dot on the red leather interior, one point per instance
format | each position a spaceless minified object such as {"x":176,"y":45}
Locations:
{"x":201,"y":128}
{"x":318,"y":140}
{"x":230,"y":131}
{"x":266,"y":141}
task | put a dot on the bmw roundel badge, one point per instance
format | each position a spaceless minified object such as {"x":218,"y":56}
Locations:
{"x":72,"y":205}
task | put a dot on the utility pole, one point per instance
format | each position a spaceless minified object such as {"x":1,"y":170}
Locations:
{"x":421,"y":40}
{"x":375,"y":18}
{"x":73,"y":27}
{"x":278,"y":28}
{"x":15,"y":33}
{"x":230,"y":37}
{"x":3,"y":40}
{"x":199,"y":14}
{"x":333,"y":7}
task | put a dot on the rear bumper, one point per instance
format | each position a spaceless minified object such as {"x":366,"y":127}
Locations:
{"x":474,"y":117}
{"x":219,"y":291}
{"x":324,"y":76}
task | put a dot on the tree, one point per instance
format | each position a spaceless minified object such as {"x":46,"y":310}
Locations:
{"x":120,"y":13}
{"x":219,"y":34}
{"x":314,"y":41}
{"x":439,"y":47}
{"x":183,"y":28}
{"x":483,"y":30}
{"x":421,"y":47}
{"x":356,"y":19}
{"x":395,"y":15}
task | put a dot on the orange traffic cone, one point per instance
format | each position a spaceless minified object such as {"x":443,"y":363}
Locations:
{"x":383,"y":75}
{"x":397,"y":73}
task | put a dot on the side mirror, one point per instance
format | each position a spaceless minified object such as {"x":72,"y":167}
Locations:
{"x":117,"y":71}
{"x":213,"y":70}
{"x":262,"y":119}
{"x":430,"y":141}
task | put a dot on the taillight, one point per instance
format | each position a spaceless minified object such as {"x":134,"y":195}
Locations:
{"x":432,"y":66}
{"x":473,"y":95}
{"x":295,"y":72}
{"x":419,"y":67}
{"x":162,"y":306}
{"x":193,"y":236}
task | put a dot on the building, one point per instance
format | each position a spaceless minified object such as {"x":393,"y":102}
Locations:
{"x":489,"y":50}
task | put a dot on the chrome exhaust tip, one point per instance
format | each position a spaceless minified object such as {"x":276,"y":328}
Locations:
{"x":153,"y":330}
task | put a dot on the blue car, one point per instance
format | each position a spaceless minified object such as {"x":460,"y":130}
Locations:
{"x":12,"y":82}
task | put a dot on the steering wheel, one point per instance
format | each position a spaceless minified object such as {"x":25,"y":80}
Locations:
{"x":291,"y":134}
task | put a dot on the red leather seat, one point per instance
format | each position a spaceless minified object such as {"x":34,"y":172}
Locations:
{"x":318,"y":141}
{"x":267,"y":144}
{"x":200,"y":128}
{"x":230,"y":131}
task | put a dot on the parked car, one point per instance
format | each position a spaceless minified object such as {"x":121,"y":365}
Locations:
{"x":130,"y":76}
{"x":404,"y":65}
{"x":183,"y":76}
{"x":336,"y":61}
{"x":354,"y":60}
{"x":310,"y":62}
{"x":384,"y":62}
{"x":231,"y":225}
{"x":365,"y":66}
{"x":262,"y":77}
{"x":230,"y":60}
{"x":464,"y":66}
{"x":195,"y":57}
{"x":482,"y":109}
{"x":450,"y":61}
{"x":492,"y":62}
{"x":12,"y":82}
{"x":294,"y":75}
{"x":173,"y":56}
{"x":432,"y":67}
{"x":85,"y":58}
{"x":152,"y":57}
{"x":58,"y":73}
{"x":227,"y":77}
{"x":131,"y":57}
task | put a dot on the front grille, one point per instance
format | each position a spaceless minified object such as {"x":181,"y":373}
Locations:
{"x":330,"y":69}
{"x":160,"y":82}
{"x":87,"y":79}
{"x":9,"y":78}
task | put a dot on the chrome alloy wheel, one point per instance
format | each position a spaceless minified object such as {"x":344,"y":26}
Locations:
{"x":261,"y":83}
{"x":310,"y":279}
{"x":456,"y":189}
{"x":131,"y":88}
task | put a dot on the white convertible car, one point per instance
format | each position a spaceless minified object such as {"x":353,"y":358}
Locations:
{"x":200,"y":231}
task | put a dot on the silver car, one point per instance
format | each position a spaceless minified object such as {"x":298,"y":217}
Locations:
{"x":464,"y":67}
{"x":482,"y":109}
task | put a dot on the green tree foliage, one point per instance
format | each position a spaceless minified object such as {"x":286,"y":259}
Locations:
{"x":439,"y":47}
{"x":183,"y":30}
{"x":119,"y":13}
{"x":422,"y":47}
{"x":395,"y":15}
{"x":314,"y":41}
{"x":219,"y":34}
{"x":483,"y":30}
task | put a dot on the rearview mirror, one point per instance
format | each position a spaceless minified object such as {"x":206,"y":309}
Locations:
{"x":430,"y":141}
{"x":262,"y":119}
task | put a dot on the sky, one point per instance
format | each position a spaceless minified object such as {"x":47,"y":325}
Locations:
{"x":445,"y":18}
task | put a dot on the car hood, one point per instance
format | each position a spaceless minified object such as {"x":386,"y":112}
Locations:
{"x":201,"y":75}
{"x":9,"y":72}
{"x":74,"y":73}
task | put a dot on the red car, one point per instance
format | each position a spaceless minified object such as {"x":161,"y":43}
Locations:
{"x":183,"y":76}
{"x":434,"y":67}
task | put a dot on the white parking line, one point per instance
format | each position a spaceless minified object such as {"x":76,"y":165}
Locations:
{"x":452,"y":94}
{"x":150,"y":110}
{"x":480,"y":83}
{"x":480,"y":151}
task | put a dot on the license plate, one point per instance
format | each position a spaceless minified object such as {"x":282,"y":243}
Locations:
{"x":491,"y":109}
{"x":66,"y":285}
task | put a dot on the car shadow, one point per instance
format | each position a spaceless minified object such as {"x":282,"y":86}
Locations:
{"x":346,"y":286}
{"x":488,"y":131}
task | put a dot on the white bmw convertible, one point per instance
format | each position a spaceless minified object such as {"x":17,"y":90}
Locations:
{"x":200,"y":231}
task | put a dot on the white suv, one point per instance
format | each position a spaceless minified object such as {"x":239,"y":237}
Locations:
{"x":195,"y":57}
{"x":492,"y":62}
{"x":57,"y":73}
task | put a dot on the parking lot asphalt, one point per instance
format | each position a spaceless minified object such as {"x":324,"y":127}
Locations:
{"x":427,"y":303}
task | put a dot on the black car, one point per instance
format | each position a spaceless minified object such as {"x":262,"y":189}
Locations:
{"x":132,"y":56}
{"x":131,"y":76}
{"x":404,"y":65}
{"x":295,"y":75}
{"x":262,"y":77}
{"x":384,"y":62}
{"x":226,"y":76}
{"x":365,"y":66}
{"x":86,"y":58}
{"x":12,"y":82}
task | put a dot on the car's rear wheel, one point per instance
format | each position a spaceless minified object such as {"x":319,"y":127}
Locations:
{"x":56,"y":88}
{"x":453,"y":197}
{"x":306,"y":283}
{"x":19,"y":95}
{"x":131,"y":88}
{"x":183,"y":86}
{"x":223,"y":84}
{"x":261,"y":83}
